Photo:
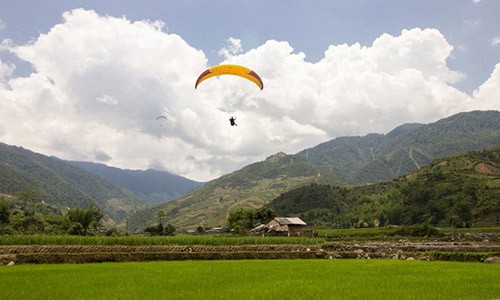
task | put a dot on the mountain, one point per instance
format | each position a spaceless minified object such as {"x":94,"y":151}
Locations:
{"x":341,"y":161}
{"x":379,"y":157}
{"x":458,"y":190}
{"x":59,"y":183}
{"x":154,"y":186}
{"x":251,"y":186}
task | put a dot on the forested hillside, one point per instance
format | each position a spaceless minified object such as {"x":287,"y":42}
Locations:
{"x":250,"y":187}
{"x":379,"y":157}
{"x":461,"y":190}
{"x":56,"y":182}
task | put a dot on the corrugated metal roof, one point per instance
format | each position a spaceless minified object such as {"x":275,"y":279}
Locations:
{"x":290,"y":221}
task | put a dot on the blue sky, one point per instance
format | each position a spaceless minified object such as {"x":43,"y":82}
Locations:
{"x":97,"y":73}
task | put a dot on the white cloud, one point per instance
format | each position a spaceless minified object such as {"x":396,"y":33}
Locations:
{"x":495,"y":41}
{"x":487,"y":95}
{"x":100,"y":83}
{"x":107,"y":99}
{"x":232,"y":48}
{"x":6,"y":70}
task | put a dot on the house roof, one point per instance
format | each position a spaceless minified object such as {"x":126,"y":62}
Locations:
{"x":282,"y":225}
{"x":290,"y":221}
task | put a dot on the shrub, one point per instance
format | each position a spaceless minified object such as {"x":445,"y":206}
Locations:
{"x":417,"y":230}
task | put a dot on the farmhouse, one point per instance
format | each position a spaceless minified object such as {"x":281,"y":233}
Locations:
{"x":282,"y":226}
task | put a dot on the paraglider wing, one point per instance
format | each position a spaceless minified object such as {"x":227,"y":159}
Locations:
{"x":161,"y":117}
{"x":230,"y":70}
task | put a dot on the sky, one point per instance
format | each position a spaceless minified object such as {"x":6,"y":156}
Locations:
{"x":86,"y":80}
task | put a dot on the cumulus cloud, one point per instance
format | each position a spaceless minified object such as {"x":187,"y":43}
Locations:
{"x":487,"y":95}
{"x":6,"y":70}
{"x":100,"y":82}
{"x":232,"y":48}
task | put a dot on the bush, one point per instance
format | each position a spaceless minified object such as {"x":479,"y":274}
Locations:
{"x":417,"y":230}
{"x":112,"y":232}
{"x":161,"y":230}
{"x":76,"y":229}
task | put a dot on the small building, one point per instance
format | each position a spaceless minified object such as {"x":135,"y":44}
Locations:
{"x":214,"y":230}
{"x":282,"y":226}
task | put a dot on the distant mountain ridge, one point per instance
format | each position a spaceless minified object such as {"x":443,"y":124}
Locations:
{"x":379,"y":157}
{"x":117,"y":192}
{"x":155,"y":186}
{"x":57,"y":182}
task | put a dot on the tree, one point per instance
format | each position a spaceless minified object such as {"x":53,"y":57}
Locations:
{"x":394,"y":215}
{"x":200,"y":230}
{"x":152,"y":230}
{"x":160,"y":229}
{"x":463,"y":211}
{"x":169,"y":229}
{"x":381,"y":220}
{"x":244,"y":219}
{"x":161,"y":216}
{"x":264,"y":215}
{"x":240,"y":220}
{"x":4,"y":211}
{"x":91,"y":216}
{"x":76,"y":229}
{"x":27,"y":196}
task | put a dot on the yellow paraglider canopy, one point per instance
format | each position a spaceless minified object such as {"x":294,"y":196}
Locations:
{"x":230,"y":70}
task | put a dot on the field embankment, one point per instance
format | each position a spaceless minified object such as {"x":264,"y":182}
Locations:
{"x":405,"y":250}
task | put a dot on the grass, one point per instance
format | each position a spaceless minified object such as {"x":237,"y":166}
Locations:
{"x":261,"y":279}
{"x":465,"y":230}
{"x":188,"y":240}
{"x":375,"y":232}
{"x":370,"y":231}
{"x":219,"y":240}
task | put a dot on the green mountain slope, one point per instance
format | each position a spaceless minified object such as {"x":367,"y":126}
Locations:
{"x":457,"y":191}
{"x":377,"y":157}
{"x":59,"y":183}
{"x":154,"y":186}
{"x":252,"y":186}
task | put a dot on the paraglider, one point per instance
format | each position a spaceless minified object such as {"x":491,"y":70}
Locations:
{"x":232,"y":121}
{"x":236,"y":70}
{"x":161,"y":117}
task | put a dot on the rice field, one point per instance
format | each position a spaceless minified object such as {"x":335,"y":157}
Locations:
{"x":136,"y":240}
{"x":255,"y":279}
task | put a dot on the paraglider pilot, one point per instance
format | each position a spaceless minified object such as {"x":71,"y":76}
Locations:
{"x":232,"y":121}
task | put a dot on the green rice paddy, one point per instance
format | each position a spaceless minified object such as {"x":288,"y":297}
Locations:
{"x":253,"y":279}
{"x":135,"y":240}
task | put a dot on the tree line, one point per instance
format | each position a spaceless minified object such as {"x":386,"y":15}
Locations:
{"x":24,"y":214}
